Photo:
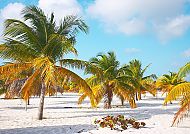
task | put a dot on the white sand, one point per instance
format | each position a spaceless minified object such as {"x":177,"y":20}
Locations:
{"x":62,"y":119}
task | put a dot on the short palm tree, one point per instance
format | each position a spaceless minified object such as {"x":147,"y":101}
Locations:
{"x":181,"y":91}
{"x":37,"y":44}
{"x":168,"y":81}
{"x":110,"y":82}
{"x":138,"y":81}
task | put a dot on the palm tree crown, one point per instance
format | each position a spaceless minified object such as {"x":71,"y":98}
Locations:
{"x":109,"y":82}
{"x":168,"y":81}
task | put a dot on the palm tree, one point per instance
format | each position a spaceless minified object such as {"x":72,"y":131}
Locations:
{"x":168,"y":81}
{"x":110,"y":82}
{"x":37,"y":44}
{"x":138,"y":81}
{"x":181,"y":91}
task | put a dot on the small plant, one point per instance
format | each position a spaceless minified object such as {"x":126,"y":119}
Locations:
{"x":118,"y":122}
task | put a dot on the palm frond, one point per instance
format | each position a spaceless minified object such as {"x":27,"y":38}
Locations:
{"x":93,"y":81}
{"x":20,"y":31}
{"x":81,"y":98}
{"x":63,"y":72}
{"x":71,"y":25}
{"x":182,"y":112}
{"x":28,"y":84}
{"x":80,"y":64}
{"x":177,"y":91}
{"x":99,"y":92}
{"x":184,"y":70}
{"x":12,"y":68}
{"x":10,"y":50}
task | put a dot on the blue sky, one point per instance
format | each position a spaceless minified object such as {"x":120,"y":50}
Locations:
{"x":156,"y":32}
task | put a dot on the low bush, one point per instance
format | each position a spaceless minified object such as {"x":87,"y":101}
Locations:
{"x":118,"y":122}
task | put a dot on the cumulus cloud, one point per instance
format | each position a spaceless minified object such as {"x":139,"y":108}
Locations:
{"x":132,"y":50}
{"x":186,"y":53}
{"x":12,"y":11}
{"x":174,"y":27}
{"x":60,"y":8}
{"x":133,"y":16}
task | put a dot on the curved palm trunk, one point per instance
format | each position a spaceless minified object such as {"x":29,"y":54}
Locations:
{"x":108,"y":98}
{"x":41,"y":105}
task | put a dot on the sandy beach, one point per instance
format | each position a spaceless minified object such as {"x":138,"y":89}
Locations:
{"x":64,"y":116}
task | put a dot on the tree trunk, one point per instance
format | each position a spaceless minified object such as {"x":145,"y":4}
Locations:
{"x":139,"y":95}
{"x":132,"y":103}
{"x":108,"y":99}
{"x":26,"y":106}
{"x":122,"y":100}
{"x":136,"y":96}
{"x":41,"y":105}
{"x":28,"y":102}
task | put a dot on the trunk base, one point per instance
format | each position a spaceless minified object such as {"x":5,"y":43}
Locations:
{"x":41,"y":105}
{"x":108,"y":99}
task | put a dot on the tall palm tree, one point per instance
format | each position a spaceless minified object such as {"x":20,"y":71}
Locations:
{"x":138,"y":81}
{"x":110,"y":82}
{"x":37,"y":44}
{"x":181,"y":91}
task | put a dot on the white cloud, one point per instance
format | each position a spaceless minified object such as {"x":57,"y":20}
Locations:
{"x":186,"y":53}
{"x":173,"y":28}
{"x":132,"y":50}
{"x":133,"y":16}
{"x":60,"y":8}
{"x":11,"y":11}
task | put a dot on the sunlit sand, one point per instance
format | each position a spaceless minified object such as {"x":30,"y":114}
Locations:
{"x":62,"y":115}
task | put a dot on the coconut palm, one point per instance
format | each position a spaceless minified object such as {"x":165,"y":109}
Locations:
{"x":168,"y":81}
{"x":110,"y":82}
{"x":37,"y":44}
{"x":181,"y":91}
{"x":138,"y":81}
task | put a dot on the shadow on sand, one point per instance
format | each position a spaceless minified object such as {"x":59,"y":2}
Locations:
{"x":145,"y":109}
{"x":63,"y":129}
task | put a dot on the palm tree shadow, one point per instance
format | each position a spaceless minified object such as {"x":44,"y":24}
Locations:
{"x":63,"y":129}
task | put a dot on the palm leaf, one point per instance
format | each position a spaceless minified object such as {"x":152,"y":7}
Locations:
{"x":12,"y":68}
{"x":182,"y":112}
{"x":80,"y":64}
{"x":184,"y":70}
{"x":81,"y":98}
{"x":63,"y":72}
{"x":28,"y":84}
{"x":177,"y":91}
